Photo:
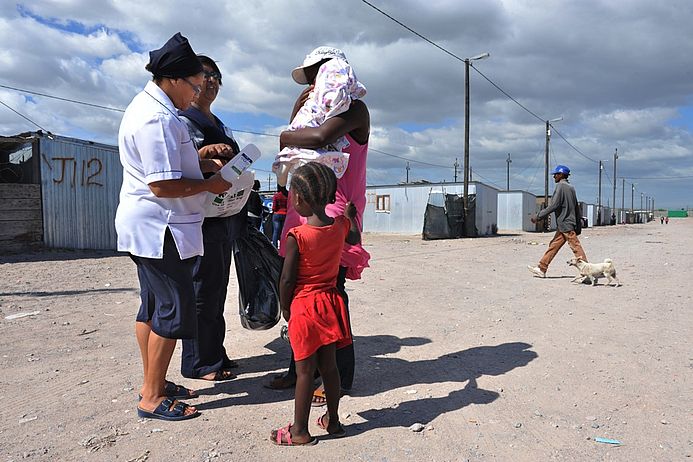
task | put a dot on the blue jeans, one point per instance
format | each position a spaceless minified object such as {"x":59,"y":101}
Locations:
{"x":277,"y":226}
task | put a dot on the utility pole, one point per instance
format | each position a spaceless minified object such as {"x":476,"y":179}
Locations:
{"x":469,"y":225}
{"x":599,"y":196}
{"x":507,"y":184}
{"x":623,"y":198}
{"x":632,"y":194}
{"x":546,"y":167}
{"x":641,"y":194}
{"x":455,"y":165}
{"x":614,"y":196}
{"x":465,"y":191}
{"x":269,"y":182}
{"x":408,"y":172}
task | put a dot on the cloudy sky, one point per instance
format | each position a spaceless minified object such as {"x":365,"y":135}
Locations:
{"x":618,"y":73}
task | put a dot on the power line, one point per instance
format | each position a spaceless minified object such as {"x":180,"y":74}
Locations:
{"x":495,"y":85}
{"x":122,"y":110}
{"x":21,"y":90}
{"x":683,"y":177}
{"x":413,"y":31}
{"x":254,"y":133}
{"x":507,"y":94}
{"x":62,"y":99}
{"x":487,"y":180}
{"x":444,"y":50}
{"x":574,"y":148}
{"x":110,"y":108}
{"x":24,"y":117}
{"x":407,"y":159}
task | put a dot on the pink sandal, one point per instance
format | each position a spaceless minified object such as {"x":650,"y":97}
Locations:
{"x":283,"y":438}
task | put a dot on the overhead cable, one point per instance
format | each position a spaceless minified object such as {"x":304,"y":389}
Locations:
{"x":62,"y":99}
{"x":477,"y":70}
{"x":25,"y":117}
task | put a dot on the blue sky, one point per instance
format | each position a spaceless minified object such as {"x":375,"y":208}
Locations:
{"x":616,"y":85}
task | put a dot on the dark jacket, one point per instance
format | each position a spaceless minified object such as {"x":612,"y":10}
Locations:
{"x":205,"y":132}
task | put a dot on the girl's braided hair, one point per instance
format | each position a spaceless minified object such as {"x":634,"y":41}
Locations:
{"x":316,"y":183}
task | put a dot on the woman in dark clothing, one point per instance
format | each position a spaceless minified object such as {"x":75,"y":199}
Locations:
{"x":205,"y":356}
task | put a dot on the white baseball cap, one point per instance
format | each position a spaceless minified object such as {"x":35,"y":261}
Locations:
{"x":315,"y":56}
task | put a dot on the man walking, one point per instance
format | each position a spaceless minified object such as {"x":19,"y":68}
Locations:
{"x":568,"y":221}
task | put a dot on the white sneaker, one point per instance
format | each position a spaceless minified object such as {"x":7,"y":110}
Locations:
{"x":536,"y":271}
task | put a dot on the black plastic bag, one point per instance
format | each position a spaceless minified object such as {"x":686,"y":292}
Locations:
{"x":446,"y":222}
{"x":435,"y":223}
{"x":454,"y":210}
{"x":258,"y":266}
{"x":267,"y":226}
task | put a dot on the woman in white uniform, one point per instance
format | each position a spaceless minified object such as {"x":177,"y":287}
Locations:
{"x":159,"y":218}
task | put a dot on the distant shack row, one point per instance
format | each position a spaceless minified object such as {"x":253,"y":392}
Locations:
{"x":63,"y":193}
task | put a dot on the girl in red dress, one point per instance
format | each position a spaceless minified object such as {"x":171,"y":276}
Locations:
{"x":310,"y":302}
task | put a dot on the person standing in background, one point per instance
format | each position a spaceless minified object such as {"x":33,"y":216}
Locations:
{"x":279,"y":204}
{"x":254,"y":206}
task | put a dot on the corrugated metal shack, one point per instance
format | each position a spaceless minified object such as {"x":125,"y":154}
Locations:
{"x":399,"y":209}
{"x":79,"y":186}
{"x":515,"y":209}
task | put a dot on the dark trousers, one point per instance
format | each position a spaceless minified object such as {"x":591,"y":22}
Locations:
{"x":346,"y":359}
{"x":206,"y":353}
{"x":277,"y":226}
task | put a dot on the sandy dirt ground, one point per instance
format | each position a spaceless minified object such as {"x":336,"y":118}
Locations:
{"x":455,"y":335}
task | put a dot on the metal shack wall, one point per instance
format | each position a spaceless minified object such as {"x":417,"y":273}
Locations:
{"x":486,"y":209}
{"x":591,"y":214}
{"x":408,"y":205}
{"x":406,"y":214}
{"x":515,"y":208}
{"x":80,"y":184}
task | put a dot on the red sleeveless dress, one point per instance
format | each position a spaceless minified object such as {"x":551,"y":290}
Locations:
{"x":318,"y":313}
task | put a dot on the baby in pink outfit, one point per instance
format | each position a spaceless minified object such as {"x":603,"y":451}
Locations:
{"x":336,"y":86}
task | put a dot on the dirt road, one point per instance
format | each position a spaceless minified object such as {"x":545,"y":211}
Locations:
{"x":455,"y":335}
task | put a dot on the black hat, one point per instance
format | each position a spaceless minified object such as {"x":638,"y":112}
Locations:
{"x":176,"y":59}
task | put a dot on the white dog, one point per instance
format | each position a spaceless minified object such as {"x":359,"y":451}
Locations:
{"x":593,"y":271}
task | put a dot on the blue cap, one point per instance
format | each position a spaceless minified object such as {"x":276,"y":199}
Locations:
{"x":561,"y":169}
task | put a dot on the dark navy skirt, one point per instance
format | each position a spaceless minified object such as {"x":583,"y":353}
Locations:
{"x":167,"y":292}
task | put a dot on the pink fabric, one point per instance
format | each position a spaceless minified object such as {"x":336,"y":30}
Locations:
{"x":350,"y":187}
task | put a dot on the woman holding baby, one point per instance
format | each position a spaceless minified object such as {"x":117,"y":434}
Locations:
{"x":354,"y":126}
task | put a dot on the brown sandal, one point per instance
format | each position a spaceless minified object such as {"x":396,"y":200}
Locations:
{"x":281,"y":382}
{"x":220,"y":376}
{"x":338,"y":434}
{"x":319,"y":399}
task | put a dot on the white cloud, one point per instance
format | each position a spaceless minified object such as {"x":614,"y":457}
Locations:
{"x":618,"y":73}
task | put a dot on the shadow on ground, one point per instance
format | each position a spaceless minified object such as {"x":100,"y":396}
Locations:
{"x":47,"y":254}
{"x":63,"y":293}
{"x":378,"y":372}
